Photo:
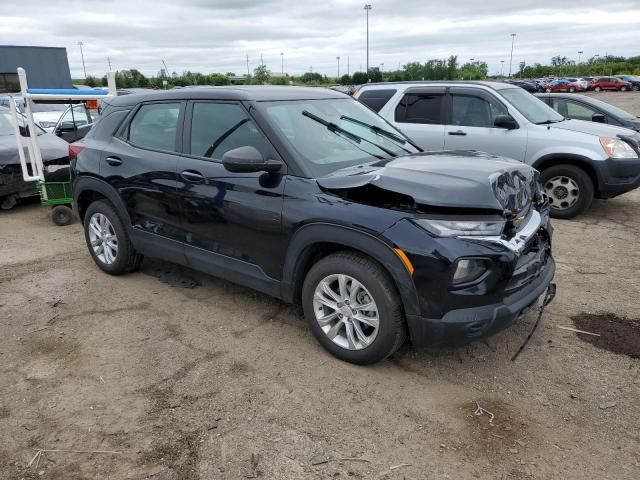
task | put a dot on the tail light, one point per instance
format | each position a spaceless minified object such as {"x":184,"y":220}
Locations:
{"x":74,"y":149}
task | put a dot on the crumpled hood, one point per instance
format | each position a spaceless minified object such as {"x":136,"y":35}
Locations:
{"x":52,"y":148}
{"x":592,"y":128}
{"x":461,"y":179}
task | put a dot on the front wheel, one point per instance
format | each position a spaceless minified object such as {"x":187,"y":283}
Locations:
{"x":353,"y":308}
{"x":108,"y":241}
{"x":569,"y":188}
{"x":623,"y":89}
{"x":572,"y":90}
{"x":597,"y":89}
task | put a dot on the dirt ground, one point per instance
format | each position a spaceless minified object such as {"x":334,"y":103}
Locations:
{"x":219,"y":382}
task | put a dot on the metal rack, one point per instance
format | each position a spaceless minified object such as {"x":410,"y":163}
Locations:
{"x":55,"y":194}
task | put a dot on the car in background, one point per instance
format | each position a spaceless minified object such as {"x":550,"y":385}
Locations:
{"x":55,"y":151}
{"x":632,"y":79}
{"x":588,"y":81}
{"x":530,"y":87}
{"x":579,"y":81}
{"x":563,"y":85}
{"x":610,"y":83}
{"x":581,"y":107}
{"x":58,"y":118}
{"x":577,"y":161}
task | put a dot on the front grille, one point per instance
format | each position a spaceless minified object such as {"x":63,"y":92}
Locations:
{"x":531,"y":263}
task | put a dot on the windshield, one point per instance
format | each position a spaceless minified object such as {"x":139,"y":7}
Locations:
{"x":332,"y":134}
{"x":533,"y":109}
{"x":6,"y":124}
{"x":48,"y":107}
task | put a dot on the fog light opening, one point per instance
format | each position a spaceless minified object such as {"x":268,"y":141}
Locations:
{"x":468,"y":270}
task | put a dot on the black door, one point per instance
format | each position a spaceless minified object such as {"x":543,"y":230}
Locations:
{"x":231,"y":221}
{"x":141,"y":164}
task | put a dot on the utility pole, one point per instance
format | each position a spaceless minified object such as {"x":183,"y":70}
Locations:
{"x":513,"y":39}
{"x":338,"y":59}
{"x":367,"y":7}
{"x":80,"y":44}
{"x":248,"y":72}
{"x":501,"y":68}
{"x":282,"y":61}
{"x":109,"y":62}
{"x":261,"y":61}
{"x":348,"y":66}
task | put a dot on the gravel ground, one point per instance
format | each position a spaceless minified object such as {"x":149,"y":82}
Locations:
{"x":219,"y":382}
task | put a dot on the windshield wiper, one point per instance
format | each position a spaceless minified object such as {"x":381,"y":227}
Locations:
{"x":547,"y":122}
{"x":381,"y":131}
{"x":332,"y":127}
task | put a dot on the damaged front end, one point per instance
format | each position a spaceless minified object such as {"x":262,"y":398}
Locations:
{"x":475,"y":230}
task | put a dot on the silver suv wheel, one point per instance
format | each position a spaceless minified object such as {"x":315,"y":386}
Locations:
{"x":346,"y":312}
{"x":563,"y":192}
{"x":103,"y":238}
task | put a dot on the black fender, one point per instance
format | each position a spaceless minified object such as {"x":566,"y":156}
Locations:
{"x":593,"y":168}
{"x":82,"y":184}
{"x":371,"y":245}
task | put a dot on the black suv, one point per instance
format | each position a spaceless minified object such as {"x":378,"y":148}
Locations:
{"x":309,"y":196}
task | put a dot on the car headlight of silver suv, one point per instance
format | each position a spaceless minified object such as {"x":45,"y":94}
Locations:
{"x":461,"y":228}
{"x":617,"y":148}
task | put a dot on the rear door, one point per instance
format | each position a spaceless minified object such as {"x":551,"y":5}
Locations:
{"x":376,"y":98}
{"x":570,"y":108}
{"x":420,"y":114}
{"x":140,"y":163}
{"x":472,"y":114}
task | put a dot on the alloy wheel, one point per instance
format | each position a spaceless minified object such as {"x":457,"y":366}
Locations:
{"x":346,"y":312}
{"x":103,"y":238}
{"x":563,"y":192}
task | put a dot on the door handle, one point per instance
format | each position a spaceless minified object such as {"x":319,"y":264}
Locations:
{"x":458,"y":133}
{"x":114,"y":161}
{"x":192,"y":176}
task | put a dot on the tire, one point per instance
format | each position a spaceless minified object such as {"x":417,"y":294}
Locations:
{"x":548,"y":90}
{"x":598,"y":89}
{"x":572,"y":90}
{"x":62,"y":215}
{"x":376,"y":287}
{"x":559,"y":180}
{"x":122,"y":259}
{"x":635,"y":88}
{"x":623,"y":89}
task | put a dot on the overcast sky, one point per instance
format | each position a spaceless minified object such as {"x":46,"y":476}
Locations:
{"x":215,"y":36}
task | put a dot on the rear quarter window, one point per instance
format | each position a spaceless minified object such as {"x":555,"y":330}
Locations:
{"x":376,"y":99}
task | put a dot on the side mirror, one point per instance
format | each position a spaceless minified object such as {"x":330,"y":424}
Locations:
{"x":505,"y":121}
{"x":248,"y":160}
{"x":598,"y":117}
{"x":66,"y":127}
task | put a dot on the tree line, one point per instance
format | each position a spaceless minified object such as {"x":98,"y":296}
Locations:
{"x":434,"y":69}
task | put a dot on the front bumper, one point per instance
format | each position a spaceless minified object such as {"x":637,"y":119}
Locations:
{"x":461,"y":326}
{"x":617,"y":176}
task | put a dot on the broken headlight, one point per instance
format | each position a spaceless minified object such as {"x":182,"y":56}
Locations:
{"x":462,"y":228}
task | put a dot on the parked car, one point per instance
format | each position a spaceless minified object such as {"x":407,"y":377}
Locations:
{"x":530,"y":87}
{"x":610,"y":83}
{"x":632,"y":79}
{"x":577,"y":160}
{"x":579,"y":81}
{"x":563,"y":86}
{"x":55,"y":151}
{"x":308,"y":196}
{"x":57,"y":118}
{"x":581,"y":107}
{"x":588,"y":81}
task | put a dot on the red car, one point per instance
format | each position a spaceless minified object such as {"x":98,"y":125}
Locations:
{"x":563,"y":86}
{"x":610,"y":83}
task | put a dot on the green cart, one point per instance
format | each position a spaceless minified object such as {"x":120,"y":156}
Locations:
{"x":58,"y":196}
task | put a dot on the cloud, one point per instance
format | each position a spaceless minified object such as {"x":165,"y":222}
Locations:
{"x":216,"y":36}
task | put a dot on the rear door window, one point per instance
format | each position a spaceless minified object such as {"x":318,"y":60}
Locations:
{"x":571,"y":109}
{"x":376,"y":99}
{"x":155,"y":126}
{"x":421,"y":108}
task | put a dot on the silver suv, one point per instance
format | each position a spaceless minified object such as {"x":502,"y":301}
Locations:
{"x":578,"y":160}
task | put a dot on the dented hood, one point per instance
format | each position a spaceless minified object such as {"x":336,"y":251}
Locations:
{"x":460,"y":179}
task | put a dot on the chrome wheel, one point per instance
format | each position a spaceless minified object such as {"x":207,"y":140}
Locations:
{"x":103,"y":238}
{"x":563,"y":192}
{"x":346,"y":312}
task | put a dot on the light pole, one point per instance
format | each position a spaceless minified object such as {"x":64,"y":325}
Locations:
{"x":367,"y":7}
{"x":80,"y":44}
{"x":338,"y":59}
{"x":501,"y":68}
{"x":282,"y":62}
{"x":580,"y":52}
{"x":513,"y":39}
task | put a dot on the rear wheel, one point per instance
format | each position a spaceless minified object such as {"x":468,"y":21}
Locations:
{"x":107,"y":240}
{"x":548,"y":90}
{"x":598,"y":89}
{"x":353,"y":308}
{"x":635,"y":88}
{"x":569,"y":188}
{"x":62,"y":215}
{"x":572,"y":89}
{"x":623,"y":89}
